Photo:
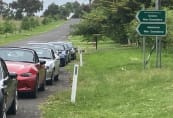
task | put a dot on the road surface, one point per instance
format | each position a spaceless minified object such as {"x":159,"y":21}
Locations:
{"x":28,"y":107}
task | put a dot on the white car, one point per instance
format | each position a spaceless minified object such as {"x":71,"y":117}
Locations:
{"x":52,"y":63}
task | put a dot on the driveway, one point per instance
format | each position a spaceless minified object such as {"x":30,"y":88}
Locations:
{"x":28,"y":107}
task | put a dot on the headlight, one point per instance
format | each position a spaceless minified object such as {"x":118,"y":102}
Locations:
{"x":26,"y":74}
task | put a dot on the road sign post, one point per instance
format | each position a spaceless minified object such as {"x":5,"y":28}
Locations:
{"x":152,"y":23}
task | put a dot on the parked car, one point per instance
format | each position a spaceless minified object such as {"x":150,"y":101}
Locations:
{"x":62,"y":53}
{"x":52,"y":63}
{"x":31,"y":71}
{"x":73,"y":50}
{"x":8,"y":91}
{"x":55,"y":48}
{"x":66,"y":48}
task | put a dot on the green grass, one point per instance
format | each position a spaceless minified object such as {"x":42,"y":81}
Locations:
{"x":113,"y":84}
{"x":25,"y":34}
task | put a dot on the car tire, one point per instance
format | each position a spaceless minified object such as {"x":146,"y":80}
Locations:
{"x":42,"y":88}
{"x":35,"y":92}
{"x":56,"y":78}
{"x":14,"y":106}
{"x":50,"y":82}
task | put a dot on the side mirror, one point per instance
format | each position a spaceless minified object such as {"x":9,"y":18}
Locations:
{"x":12,"y":75}
{"x":57,"y":57}
{"x":42,"y":62}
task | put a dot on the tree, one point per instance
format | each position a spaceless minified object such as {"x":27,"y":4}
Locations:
{"x":27,"y":6}
{"x":52,"y":10}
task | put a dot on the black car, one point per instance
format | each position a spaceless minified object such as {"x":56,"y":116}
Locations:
{"x":62,"y":53}
{"x":8,"y":91}
{"x":73,"y":50}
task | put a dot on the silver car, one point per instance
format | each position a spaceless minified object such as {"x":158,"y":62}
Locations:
{"x":52,"y":63}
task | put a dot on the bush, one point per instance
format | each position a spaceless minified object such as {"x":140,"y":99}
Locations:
{"x":34,"y":22}
{"x":29,"y":23}
{"x":26,"y":24}
{"x":8,"y":27}
{"x":1,"y":28}
{"x":46,"y":20}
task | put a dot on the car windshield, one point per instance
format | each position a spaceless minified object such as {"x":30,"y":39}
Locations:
{"x":43,"y":53}
{"x":19,"y":55}
{"x":59,"y":47}
{"x":43,"y":45}
{"x":69,"y":44}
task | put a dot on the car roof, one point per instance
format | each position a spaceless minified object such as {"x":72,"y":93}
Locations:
{"x":22,"y":48}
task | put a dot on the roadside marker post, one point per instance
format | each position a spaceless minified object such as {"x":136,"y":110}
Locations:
{"x":81,"y":60}
{"x":74,"y":83}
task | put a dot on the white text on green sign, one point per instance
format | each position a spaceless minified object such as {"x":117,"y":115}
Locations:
{"x":151,"y":16}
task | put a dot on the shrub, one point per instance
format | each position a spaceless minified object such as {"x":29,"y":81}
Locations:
{"x":26,"y":24}
{"x":8,"y":27}
{"x":46,"y":20}
{"x":29,"y":23}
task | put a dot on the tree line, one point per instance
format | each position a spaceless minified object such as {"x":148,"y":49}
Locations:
{"x":21,"y":8}
{"x":116,"y":20}
{"x":25,"y":11}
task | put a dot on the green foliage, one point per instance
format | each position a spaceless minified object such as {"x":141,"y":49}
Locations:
{"x":28,"y":23}
{"x":91,"y":25}
{"x":46,"y":20}
{"x":28,"y":6}
{"x":1,"y":28}
{"x":119,"y":22}
{"x":8,"y":27}
{"x":63,"y":11}
{"x":25,"y":24}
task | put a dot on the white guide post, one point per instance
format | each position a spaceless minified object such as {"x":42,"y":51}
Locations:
{"x":74,"y":83}
{"x":81,"y":60}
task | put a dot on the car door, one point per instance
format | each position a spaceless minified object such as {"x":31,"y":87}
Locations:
{"x":9,"y":84}
{"x":56,"y":62}
{"x":41,"y":69}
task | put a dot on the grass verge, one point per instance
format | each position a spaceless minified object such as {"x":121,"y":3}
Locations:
{"x":8,"y":38}
{"x":113,"y":84}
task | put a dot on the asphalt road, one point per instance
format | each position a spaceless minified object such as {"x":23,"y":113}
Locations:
{"x":28,"y":107}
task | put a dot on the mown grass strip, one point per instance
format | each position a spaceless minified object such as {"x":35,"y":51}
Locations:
{"x":113,"y":84}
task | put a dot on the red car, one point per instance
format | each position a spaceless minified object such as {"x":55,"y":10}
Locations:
{"x":25,"y":62}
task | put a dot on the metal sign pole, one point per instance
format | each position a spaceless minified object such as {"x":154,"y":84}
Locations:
{"x":144,"y":52}
{"x":158,"y":42}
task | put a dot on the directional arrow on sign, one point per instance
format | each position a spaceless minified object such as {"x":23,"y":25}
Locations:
{"x":151,"y":16}
{"x":145,"y":29}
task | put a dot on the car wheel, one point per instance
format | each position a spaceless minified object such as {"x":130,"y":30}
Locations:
{"x":56,"y":78}
{"x":50,"y":82}
{"x":34,"y":93}
{"x":14,"y":105}
{"x":42,"y":88}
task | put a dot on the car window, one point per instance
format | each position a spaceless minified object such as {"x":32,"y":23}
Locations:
{"x":43,"y":52}
{"x":17,"y":55}
{"x":5,"y":71}
{"x":1,"y":72}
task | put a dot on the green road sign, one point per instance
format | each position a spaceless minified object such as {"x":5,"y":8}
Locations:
{"x":145,"y":29}
{"x":151,"y":16}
